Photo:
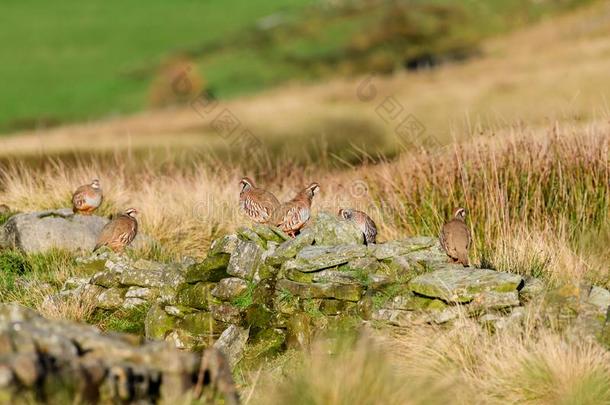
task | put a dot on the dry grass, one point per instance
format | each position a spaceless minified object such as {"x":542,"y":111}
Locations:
{"x":432,"y":365}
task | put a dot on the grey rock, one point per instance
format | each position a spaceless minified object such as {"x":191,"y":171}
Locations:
{"x":133,"y":302}
{"x":289,"y":249}
{"x":229,"y":288}
{"x":141,"y":292}
{"x":401,"y":247}
{"x":232,"y":343}
{"x":245,"y":260}
{"x":329,"y":230}
{"x":37,"y":232}
{"x":314,"y":258}
{"x":227,"y":245}
{"x":145,"y":273}
{"x":600,"y":298}
{"x":496,"y":300}
{"x":462,"y":286}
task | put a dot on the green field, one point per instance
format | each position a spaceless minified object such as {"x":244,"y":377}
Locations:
{"x":70,"y":60}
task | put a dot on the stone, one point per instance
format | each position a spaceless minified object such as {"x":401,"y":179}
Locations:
{"x":56,"y":360}
{"x":382,"y":251}
{"x":600,"y":298}
{"x":213,"y":268}
{"x":229,"y":288}
{"x":533,"y":288}
{"x":463,"y":285}
{"x":338,"y":277}
{"x":227,"y":245}
{"x":247,"y":234}
{"x":141,"y":292}
{"x":314,"y":258}
{"x":268,"y":342}
{"x":245,"y":260}
{"x":270,"y":233}
{"x":232,"y":343}
{"x":112,"y":298}
{"x":337,"y":307}
{"x":39,"y":232}
{"x":226,"y":313}
{"x":133,"y":302}
{"x":196,"y":295}
{"x":300,"y":331}
{"x":107,"y":279}
{"x":289,"y":249}
{"x":348,"y":292}
{"x":146,"y":273}
{"x":330,"y":230}
{"x":178,"y":310}
{"x":201,"y":323}
{"x":362,"y":264}
{"x":496,"y":300}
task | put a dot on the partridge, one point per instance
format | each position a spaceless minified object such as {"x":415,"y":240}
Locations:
{"x":256,"y":203}
{"x":119,"y":232}
{"x":291,"y":216}
{"x":87,"y":198}
{"x":363,"y":221}
{"x":455,"y":238}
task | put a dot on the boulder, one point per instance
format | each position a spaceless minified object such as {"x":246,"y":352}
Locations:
{"x":37,"y":232}
{"x":463,"y":285}
{"x":112,"y":298}
{"x":289,"y":249}
{"x":330,"y":230}
{"x":146,"y":273}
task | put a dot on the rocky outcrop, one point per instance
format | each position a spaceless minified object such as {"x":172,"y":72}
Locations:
{"x":257,"y":292}
{"x":37,"y":232}
{"x":54,"y":361}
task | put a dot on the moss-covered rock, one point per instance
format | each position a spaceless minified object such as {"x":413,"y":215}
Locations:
{"x":289,"y":249}
{"x":330,"y":230}
{"x":146,"y":273}
{"x":247,"y":234}
{"x":458,"y":285}
{"x":107,"y":279}
{"x":227,"y":245}
{"x":111,"y":298}
{"x":226,"y":313}
{"x":300,"y":332}
{"x":314,"y":258}
{"x":201,"y":323}
{"x":212,"y":268}
{"x":265,"y":344}
{"x":196,"y":295}
{"x":348,"y":292}
{"x":158,"y":323}
{"x":270,"y":233}
{"x":229,"y":288}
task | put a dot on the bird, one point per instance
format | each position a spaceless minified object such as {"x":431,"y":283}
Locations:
{"x":291,"y":216}
{"x":455,"y":238}
{"x":363,"y":221}
{"x":4,"y":209}
{"x":258,"y":204}
{"x":87,"y":198}
{"x":119,"y":232}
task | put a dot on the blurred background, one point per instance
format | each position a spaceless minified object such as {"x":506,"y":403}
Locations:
{"x":309,"y":79}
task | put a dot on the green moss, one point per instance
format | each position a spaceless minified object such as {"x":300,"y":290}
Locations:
{"x":213,"y":268}
{"x":122,"y":320}
{"x":245,"y":299}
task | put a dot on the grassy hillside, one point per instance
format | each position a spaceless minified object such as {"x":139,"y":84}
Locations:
{"x":70,"y":61}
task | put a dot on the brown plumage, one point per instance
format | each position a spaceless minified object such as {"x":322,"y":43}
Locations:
{"x":455,"y":238}
{"x":258,"y":204}
{"x":363,"y":221}
{"x":4,"y":209}
{"x":291,"y":216}
{"x":87,"y":198}
{"x":119,"y":232}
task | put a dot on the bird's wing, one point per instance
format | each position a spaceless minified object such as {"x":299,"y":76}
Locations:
{"x":107,"y":234}
{"x":79,"y":197}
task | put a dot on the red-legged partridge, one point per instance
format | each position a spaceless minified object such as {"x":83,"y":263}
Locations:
{"x":119,"y":232}
{"x":258,"y":204}
{"x":87,"y":198}
{"x":455,"y":238}
{"x":291,"y":216}
{"x":363,"y":221}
